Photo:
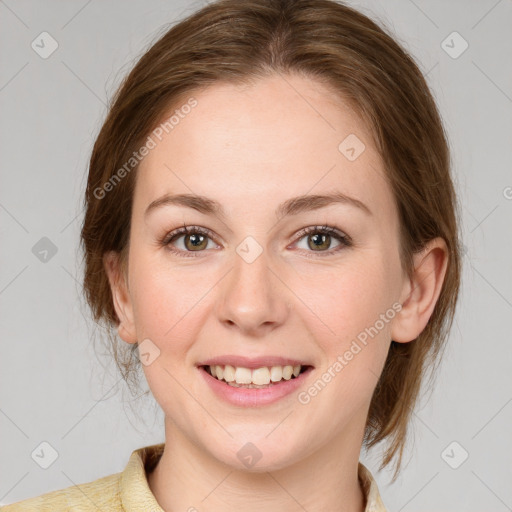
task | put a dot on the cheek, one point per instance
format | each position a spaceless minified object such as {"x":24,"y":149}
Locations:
{"x":352,"y":306}
{"x":347,"y":298}
{"x":168,"y":311}
{"x":349,"y":329}
{"x":164,"y":298}
{"x":156,"y":307}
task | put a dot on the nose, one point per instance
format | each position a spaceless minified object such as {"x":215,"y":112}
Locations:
{"x":253,"y":299}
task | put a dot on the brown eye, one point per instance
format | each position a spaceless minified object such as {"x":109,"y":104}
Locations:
{"x":319,"y":241}
{"x":195,"y":242}
{"x":187,"y":240}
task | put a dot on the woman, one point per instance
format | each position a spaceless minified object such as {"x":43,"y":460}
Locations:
{"x":271,"y":222}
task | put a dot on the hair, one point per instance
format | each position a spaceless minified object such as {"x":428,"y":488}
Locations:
{"x":239,"y":42}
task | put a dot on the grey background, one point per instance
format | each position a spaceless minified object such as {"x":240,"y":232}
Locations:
{"x":53,"y":388}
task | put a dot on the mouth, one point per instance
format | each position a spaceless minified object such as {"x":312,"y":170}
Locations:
{"x":255,"y":378}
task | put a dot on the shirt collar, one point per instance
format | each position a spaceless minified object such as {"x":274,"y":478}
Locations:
{"x":134,"y":488}
{"x":136,"y":494}
{"x":370,"y":489}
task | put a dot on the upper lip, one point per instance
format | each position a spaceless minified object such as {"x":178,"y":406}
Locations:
{"x":251,"y":362}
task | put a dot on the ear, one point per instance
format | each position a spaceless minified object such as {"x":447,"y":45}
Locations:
{"x":421,"y":291}
{"x":120,"y":296}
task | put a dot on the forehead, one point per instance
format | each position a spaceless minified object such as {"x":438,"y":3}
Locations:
{"x":281,"y":137}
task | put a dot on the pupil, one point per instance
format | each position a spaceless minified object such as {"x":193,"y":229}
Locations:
{"x":196,"y":240}
{"x":321,"y":239}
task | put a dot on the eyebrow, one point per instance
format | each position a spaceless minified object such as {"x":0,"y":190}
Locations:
{"x":292,"y":206}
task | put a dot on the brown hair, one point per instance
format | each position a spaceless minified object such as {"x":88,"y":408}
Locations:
{"x":239,"y":41}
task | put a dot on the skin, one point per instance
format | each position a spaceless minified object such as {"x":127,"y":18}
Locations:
{"x":251,"y":148}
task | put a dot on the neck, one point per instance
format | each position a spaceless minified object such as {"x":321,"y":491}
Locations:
{"x":187,"y":478}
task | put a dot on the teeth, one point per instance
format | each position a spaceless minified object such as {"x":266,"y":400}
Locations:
{"x":276,"y":373}
{"x":229,"y":373}
{"x":258,"y":377}
{"x":287,"y":372}
{"x":243,"y":376}
{"x":261,"y":376}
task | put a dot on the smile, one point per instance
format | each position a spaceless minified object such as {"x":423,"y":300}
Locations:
{"x":257,"y":378}
{"x":257,"y":387}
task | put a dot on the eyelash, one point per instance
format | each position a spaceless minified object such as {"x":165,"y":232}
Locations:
{"x":345,"y":240}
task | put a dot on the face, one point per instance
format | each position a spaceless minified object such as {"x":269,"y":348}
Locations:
{"x":248,"y":281}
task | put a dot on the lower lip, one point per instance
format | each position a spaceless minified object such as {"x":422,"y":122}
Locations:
{"x":253,"y":397}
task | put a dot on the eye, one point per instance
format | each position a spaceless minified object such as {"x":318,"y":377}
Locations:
{"x":195,"y":240}
{"x":318,"y":238}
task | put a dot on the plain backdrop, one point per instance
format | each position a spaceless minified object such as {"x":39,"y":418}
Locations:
{"x":53,"y":388}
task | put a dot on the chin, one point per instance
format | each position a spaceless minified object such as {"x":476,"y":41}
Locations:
{"x":258,"y":455}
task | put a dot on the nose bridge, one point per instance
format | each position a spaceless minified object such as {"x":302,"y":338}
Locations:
{"x":253,"y":298}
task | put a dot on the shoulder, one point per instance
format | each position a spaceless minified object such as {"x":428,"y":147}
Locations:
{"x":102,"y":494}
{"x":129,"y":487}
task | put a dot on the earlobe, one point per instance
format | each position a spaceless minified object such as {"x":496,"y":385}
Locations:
{"x":120,"y":297}
{"x":421,"y":291}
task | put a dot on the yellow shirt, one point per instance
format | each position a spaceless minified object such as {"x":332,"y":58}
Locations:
{"x":129,"y":491}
